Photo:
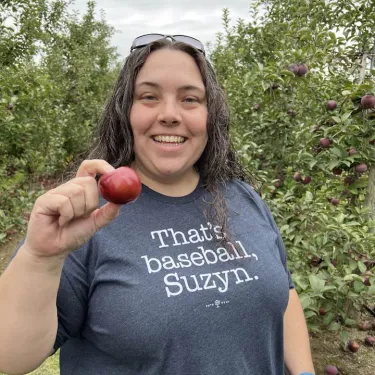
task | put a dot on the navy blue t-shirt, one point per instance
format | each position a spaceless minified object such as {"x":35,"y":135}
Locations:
{"x":155,"y":293}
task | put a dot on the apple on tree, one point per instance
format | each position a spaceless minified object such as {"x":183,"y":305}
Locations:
{"x":298,"y":69}
{"x":361,"y":168}
{"x":368,"y":101}
{"x":325,"y":142}
{"x":335,"y":201}
{"x":297,"y":176}
{"x":331,"y":105}
{"x":306,"y":180}
{"x":337,"y":171}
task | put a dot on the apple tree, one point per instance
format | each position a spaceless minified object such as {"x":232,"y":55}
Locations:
{"x":295,"y":76}
{"x":56,"y":70}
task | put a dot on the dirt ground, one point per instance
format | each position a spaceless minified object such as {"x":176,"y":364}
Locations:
{"x":326,"y":347}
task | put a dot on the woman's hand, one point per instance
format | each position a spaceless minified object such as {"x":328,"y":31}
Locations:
{"x":66,"y":217}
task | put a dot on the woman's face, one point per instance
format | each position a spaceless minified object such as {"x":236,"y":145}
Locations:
{"x":168,"y":116}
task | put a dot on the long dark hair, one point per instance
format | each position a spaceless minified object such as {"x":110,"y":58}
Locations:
{"x":218,"y":163}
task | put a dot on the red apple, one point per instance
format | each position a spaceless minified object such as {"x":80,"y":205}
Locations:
{"x":302,"y":70}
{"x":363,"y":326}
{"x":298,"y":69}
{"x":120,"y":186}
{"x":361,"y":168}
{"x":349,"y":180}
{"x":353,"y":346}
{"x":278,"y":183}
{"x":297,"y":177}
{"x":337,"y":171}
{"x":335,"y":201}
{"x":370,"y":341}
{"x":306,"y":180}
{"x":325,"y":142}
{"x":352,"y":151}
{"x":316,"y":261}
{"x":366,"y":281}
{"x":368,"y":101}
{"x":293,"y":68}
{"x":322,"y":311}
{"x":331,"y":370}
{"x":331,"y":105}
{"x":369,"y":264}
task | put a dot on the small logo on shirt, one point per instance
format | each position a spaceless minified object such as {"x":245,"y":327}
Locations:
{"x":217,"y":303}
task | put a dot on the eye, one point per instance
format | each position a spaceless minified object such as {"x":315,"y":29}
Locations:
{"x":191,"y":100}
{"x":148,"y":97}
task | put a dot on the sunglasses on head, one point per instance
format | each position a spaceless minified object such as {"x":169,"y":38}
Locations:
{"x":146,"y":39}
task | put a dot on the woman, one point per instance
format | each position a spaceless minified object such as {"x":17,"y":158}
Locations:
{"x":191,"y":278}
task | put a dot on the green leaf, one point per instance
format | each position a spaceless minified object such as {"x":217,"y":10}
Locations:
{"x":344,"y":335}
{"x":361,"y":183}
{"x":358,"y":286}
{"x":345,"y":116}
{"x":350,"y":322}
{"x":305,"y":301}
{"x":362,"y":267}
{"x":317,"y":284}
{"x":309,"y":197}
{"x":328,"y":318}
{"x":312,"y":163}
{"x":334,"y":326}
{"x":302,"y":283}
{"x":336,"y":151}
{"x":332,"y":164}
{"x":309,"y":314}
{"x":298,"y":239}
{"x":346,"y":93}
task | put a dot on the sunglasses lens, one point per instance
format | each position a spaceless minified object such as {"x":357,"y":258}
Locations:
{"x":146,"y":39}
{"x":189,"y":40}
{"x":143,"y":40}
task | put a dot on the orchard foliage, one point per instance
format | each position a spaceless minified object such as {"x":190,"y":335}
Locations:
{"x":56,"y":69}
{"x":280,"y":118}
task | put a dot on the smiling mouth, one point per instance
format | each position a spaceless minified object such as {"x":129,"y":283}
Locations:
{"x":169,"y":140}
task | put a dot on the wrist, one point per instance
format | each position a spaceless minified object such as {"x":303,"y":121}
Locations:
{"x":38,"y":263}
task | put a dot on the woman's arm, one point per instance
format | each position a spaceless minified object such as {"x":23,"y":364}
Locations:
{"x":297,"y":351}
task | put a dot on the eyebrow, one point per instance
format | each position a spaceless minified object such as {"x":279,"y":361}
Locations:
{"x":181,"y":88}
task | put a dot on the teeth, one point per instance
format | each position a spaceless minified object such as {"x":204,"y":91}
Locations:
{"x":169,"y":139}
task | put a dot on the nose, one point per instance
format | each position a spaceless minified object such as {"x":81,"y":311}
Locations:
{"x":169,"y":113}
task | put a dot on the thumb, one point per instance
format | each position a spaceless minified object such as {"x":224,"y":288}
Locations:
{"x":105,"y":214}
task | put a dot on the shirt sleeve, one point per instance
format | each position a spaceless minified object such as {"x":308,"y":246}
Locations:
{"x":268,"y":215}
